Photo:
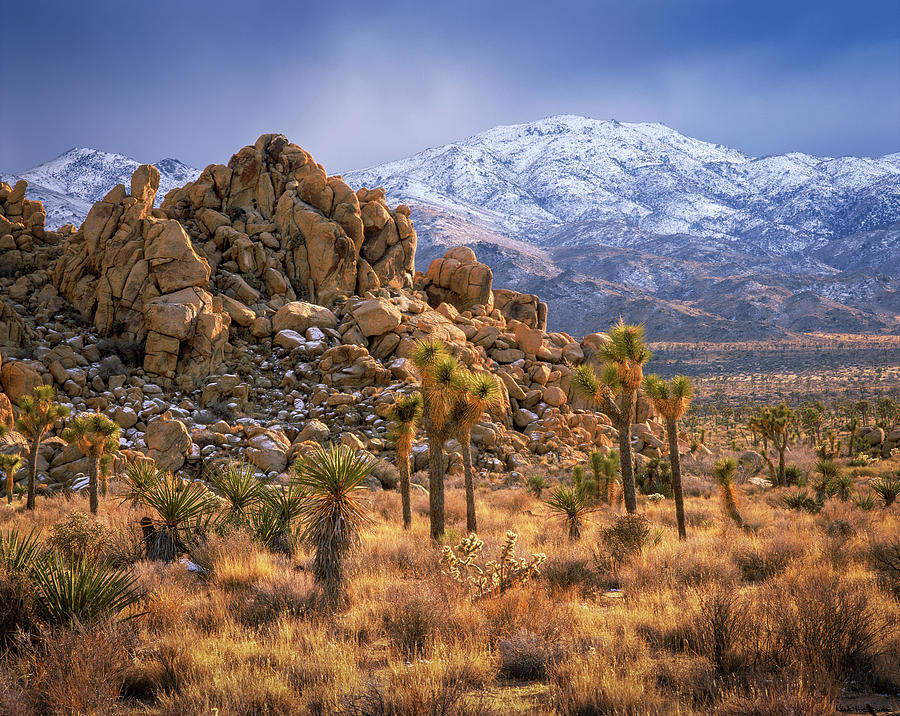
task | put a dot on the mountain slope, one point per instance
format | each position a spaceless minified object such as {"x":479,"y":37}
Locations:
{"x":74,"y":180}
{"x":641,"y":217}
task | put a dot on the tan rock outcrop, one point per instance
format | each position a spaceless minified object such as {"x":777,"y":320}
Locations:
{"x":460,"y":280}
{"x":137,"y":276}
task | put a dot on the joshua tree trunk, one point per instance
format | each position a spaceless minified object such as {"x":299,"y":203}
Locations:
{"x":403,"y":467}
{"x":466,"y":440}
{"x":435,"y":482}
{"x":10,"y":485}
{"x":675,"y":462}
{"x":628,"y":401}
{"x":781,"y":448}
{"x":32,"y":475}
{"x":92,"y":483}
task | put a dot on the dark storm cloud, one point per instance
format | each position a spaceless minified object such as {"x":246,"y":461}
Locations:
{"x":358,"y":83}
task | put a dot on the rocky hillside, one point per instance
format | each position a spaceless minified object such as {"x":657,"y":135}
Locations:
{"x":69,"y":184}
{"x":266,"y":307}
{"x":603,"y":217}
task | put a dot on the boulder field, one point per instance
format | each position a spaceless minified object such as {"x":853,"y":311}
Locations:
{"x":265,"y":308}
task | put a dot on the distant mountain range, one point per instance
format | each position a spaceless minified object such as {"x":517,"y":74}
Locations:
{"x":697,"y":240}
{"x":605,"y":218}
{"x":71,"y":183}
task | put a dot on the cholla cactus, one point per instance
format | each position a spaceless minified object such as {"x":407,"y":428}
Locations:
{"x":495,"y":576}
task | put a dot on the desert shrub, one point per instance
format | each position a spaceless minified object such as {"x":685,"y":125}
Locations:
{"x":526,"y":656}
{"x":884,"y":556}
{"x":19,"y":553}
{"x":128,"y":351}
{"x":77,"y":671}
{"x":818,"y":623}
{"x":627,"y":536}
{"x":865,"y":501}
{"x":494,"y":577}
{"x":283,"y":594}
{"x":887,"y":488}
{"x":792,"y":698}
{"x":719,"y":622}
{"x":78,"y":537}
{"x":17,"y":607}
{"x":762,"y":562}
{"x":602,"y":683}
{"x":536,"y":484}
{"x":386,"y":473}
{"x":413,"y":618}
{"x":564,"y":574}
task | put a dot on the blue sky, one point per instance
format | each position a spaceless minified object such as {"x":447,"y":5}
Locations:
{"x":358,"y":83}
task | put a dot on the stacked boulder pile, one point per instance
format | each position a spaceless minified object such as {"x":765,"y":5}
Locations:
{"x":878,"y":439}
{"x":266,"y":308}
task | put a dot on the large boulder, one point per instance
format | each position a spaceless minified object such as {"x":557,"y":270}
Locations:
{"x":376,"y":316}
{"x":268,"y":449}
{"x":460,"y":280}
{"x":299,"y":316}
{"x":168,"y":442}
{"x":18,"y":379}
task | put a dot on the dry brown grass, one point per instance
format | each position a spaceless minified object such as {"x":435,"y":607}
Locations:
{"x":774,"y":620}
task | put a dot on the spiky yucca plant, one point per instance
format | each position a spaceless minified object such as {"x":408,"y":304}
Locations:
{"x":238,"y":484}
{"x":175,"y":503}
{"x":887,"y":488}
{"x":615,"y":391}
{"x":98,"y":438}
{"x":572,"y":506}
{"x":405,"y":413}
{"x":724,"y":470}
{"x":38,"y":413}
{"x":84,"y":592}
{"x":671,"y":400}
{"x":273,"y":519}
{"x":333,"y":477}
{"x":825,"y":485}
{"x":478,"y":391}
{"x":19,"y":553}
{"x":9,"y":466}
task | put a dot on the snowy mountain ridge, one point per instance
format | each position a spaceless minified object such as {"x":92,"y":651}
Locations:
{"x":69,"y":184}
{"x":530,"y":180}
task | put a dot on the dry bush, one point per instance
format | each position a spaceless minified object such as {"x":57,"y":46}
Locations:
{"x":601,"y":683}
{"x":413,"y":618}
{"x":817,"y":623}
{"x":763,"y":560}
{"x":570,"y":573}
{"x":527,"y":656}
{"x":77,"y":671}
{"x":17,"y":608}
{"x":783,"y":699}
{"x":718,"y":624}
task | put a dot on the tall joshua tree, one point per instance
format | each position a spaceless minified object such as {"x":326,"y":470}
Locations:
{"x":406,"y":413}
{"x":98,"y":438}
{"x":477,"y":392}
{"x":615,"y":391}
{"x":672,"y":400}
{"x":724,"y":471}
{"x":775,"y":422}
{"x":440,"y":375}
{"x":9,"y":466}
{"x":38,"y":412}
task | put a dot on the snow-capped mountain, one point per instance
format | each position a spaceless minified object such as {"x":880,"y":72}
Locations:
{"x":697,"y":240}
{"x":69,"y":184}
{"x":536,"y":181}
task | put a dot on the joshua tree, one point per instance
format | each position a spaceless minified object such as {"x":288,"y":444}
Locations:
{"x":572,"y":505}
{"x":9,"y":465}
{"x":477,"y":392}
{"x":671,"y":400}
{"x":605,"y":470}
{"x":333,"y":476}
{"x":724,"y":471}
{"x":406,"y":413}
{"x":862,"y":407}
{"x":852,"y":427}
{"x":98,"y":438}
{"x":774,"y":422}
{"x":615,"y":391}
{"x":828,"y":471}
{"x":440,"y":376}
{"x":38,"y":412}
